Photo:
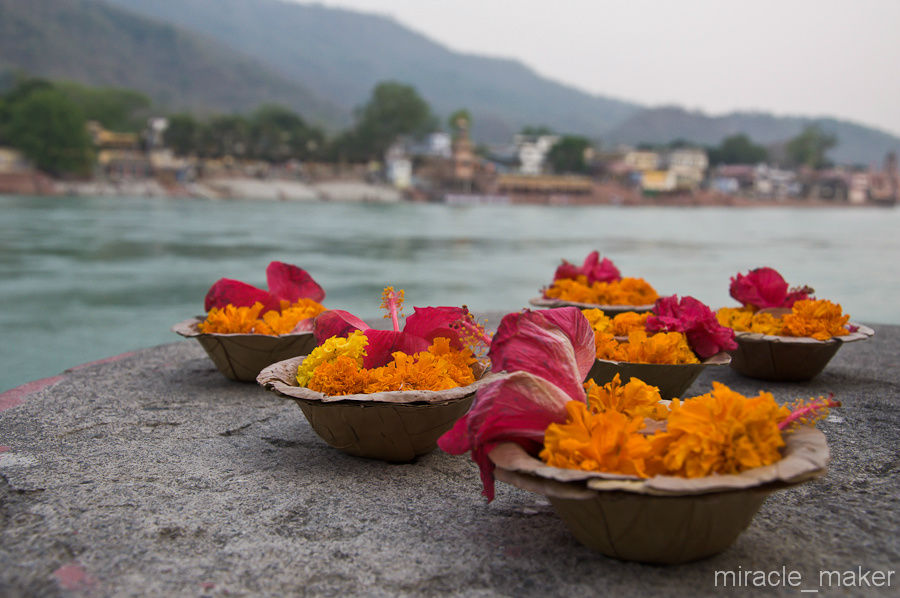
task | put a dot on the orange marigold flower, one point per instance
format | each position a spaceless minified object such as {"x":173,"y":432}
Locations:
{"x":609,"y":348}
{"x":720,"y":432}
{"x":231,"y":320}
{"x":662,"y":347}
{"x":342,"y":376}
{"x":819,"y":318}
{"x":246,"y":320}
{"x":438,"y":368}
{"x":608,"y":441}
{"x":635,"y":399}
{"x":626,"y":291}
{"x":625,"y":323}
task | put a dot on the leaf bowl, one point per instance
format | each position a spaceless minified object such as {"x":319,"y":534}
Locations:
{"x":673,"y":380}
{"x":664,"y":519}
{"x":241,"y":357}
{"x":395,"y":426}
{"x":787,"y":358}
{"x":609,"y":310}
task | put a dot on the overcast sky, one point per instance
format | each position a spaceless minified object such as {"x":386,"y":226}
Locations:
{"x":805,"y":57}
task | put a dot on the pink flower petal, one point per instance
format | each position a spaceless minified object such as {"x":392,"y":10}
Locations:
{"x":517,"y":408}
{"x":556,"y":344}
{"x":287,"y":281}
{"x":240,"y":294}
{"x":383,"y":343}
{"x":336,"y":322}
{"x":698,"y":323}
{"x":433,"y":322}
{"x":595,"y":269}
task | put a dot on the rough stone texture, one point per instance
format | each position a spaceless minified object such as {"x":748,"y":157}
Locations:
{"x":154,"y":475}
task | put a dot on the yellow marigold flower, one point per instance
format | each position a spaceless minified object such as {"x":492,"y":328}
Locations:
{"x":353,"y":346}
{"x":736,"y":318}
{"x":291,"y":314}
{"x":720,"y":432}
{"x":231,"y":320}
{"x":626,"y":322}
{"x":598,"y":320}
{"x":608,"y":441}
{"x":820,"y":319}
{"x":635,"y":399}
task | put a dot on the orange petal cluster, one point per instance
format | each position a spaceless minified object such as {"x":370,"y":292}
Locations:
{"x":636,"y":399}
{"x":621,"y":324}
{"x":660,"y":348}
{"x":440,"y":367}
{"x":625,"y":291}
{"x":816,"y":318}
{"x":246,"y":320}
{"x":721,"y":432}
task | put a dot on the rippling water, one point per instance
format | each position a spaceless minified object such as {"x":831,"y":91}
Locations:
{"x":86,"y":278}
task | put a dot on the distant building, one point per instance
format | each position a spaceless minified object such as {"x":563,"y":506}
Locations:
{"x":642,"y":161}
{"x":13,"y":161}
{"x":532,"y":152}
{"x":689,"y":167}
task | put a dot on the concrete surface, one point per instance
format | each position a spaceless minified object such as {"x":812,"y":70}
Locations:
{"x":153,"y":475}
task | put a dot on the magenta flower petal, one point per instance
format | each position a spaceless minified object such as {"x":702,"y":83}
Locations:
{"x":237,"y":293}
{"x":517,"y":408}
{"x":761,"y":288}
{"x":336,"y":322}
{"x":595,"y":269}
{"x":289,"y":282}
{"x":383,"y":343}
{"x":433,"y":322}
{"x":557,"y":345}
{"x":698,"y":323}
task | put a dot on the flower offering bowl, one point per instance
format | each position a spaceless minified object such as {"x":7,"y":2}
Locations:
{"x":242,"y":356}
{"x":664,"y":519}
{"x":787,"y":358}
{"x":673,"y":380}
{"x":609,"y":310}
{"x":395,"y":426}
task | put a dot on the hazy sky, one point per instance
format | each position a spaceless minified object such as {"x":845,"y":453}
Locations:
{"x":806,"y":57}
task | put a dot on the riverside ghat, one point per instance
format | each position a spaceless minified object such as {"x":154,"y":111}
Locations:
{"x":153,"y":474}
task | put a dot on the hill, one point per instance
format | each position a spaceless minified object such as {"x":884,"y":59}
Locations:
{"x":97,"y":44}
{"x":342,"y":55}
{"x":856,"y":143}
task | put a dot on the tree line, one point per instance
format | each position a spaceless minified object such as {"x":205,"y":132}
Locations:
{"x":47,"y":122}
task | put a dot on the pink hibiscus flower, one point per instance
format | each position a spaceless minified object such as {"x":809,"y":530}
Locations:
{"x":698,"y":323}
{"x":765,"y":287}
{"x":595,"y":269}
{"x":286,"y":283}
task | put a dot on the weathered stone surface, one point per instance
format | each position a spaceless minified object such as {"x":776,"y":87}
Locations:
{"x":154,"y":475}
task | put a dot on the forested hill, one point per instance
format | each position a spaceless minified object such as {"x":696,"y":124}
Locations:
{"x":94,"y":43}
{"x":232,"y":55}
{"x":343,"y":54}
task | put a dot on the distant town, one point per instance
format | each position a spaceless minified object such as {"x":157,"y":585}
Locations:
{"x":59,"y":138}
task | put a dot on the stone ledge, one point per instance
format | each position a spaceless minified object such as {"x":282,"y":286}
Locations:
{"x":154,"y":475}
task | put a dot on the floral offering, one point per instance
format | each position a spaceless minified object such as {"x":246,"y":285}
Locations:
{"x":721,"y":432}
{"x":676,"y":331}
{"x":235,"y":307}
{"x":614,"y":428}
{"x":598,"y":282}
{"x":766,"y":298}
{"x":436,"y":350}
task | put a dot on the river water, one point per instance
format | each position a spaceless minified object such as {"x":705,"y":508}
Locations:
{"x":86,"y":278}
